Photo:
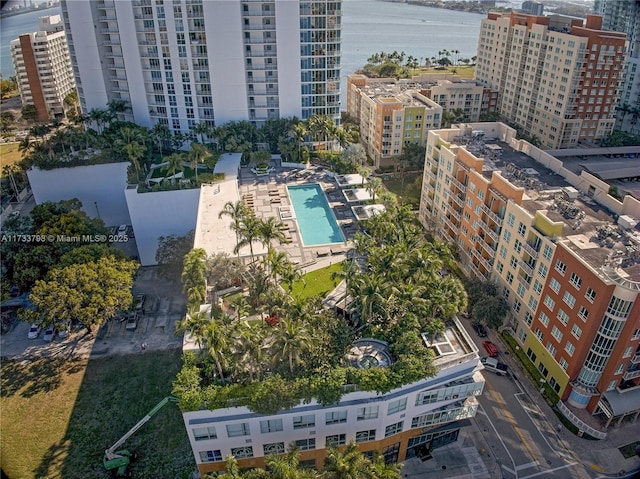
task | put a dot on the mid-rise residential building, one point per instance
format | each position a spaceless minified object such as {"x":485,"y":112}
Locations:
{"x":43,"y":68}
{"x":532,"y":8}
{"x":406,"y":422}
{"x":192,"y":61}
{"x":624,"y":16}
{"x":558,"y":77}
{"x":392,"y":113}
{"x":564,"y":251}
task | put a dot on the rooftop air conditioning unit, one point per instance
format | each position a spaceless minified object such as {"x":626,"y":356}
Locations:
{"x":627,"y":222}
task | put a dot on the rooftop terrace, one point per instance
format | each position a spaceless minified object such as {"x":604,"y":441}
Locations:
{"x":589,"y":229}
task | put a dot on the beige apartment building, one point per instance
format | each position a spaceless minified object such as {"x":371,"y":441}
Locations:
{"x":559,"y":77}
{"x":43,"y":68}
{"x":565,"y":253}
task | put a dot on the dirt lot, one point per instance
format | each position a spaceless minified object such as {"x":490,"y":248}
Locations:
{"x":165,"y":304}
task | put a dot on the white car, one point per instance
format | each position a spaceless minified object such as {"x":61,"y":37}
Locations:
{"x":49,"y":334}
{"x":122,"y":229}
{"x":34,"y":331}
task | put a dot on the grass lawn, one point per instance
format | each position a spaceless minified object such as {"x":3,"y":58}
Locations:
{"x":9,"y":154}
{"x":60,"y":414}
{"x":316,"y":282}
{"x":394,"y":185}
{"x":462,"y":71}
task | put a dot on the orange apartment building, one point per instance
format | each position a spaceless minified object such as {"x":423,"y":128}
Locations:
{"x":559,"y":77}
{"x":566,"y":254}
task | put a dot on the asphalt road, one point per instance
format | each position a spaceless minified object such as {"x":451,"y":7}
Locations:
{"x":517,"y":432}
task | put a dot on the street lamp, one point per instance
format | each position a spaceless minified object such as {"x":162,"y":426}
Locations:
{"x":97,"y":210}
{"x":542,"y":381}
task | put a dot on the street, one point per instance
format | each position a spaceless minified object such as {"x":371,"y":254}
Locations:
{"x":517,"y":432}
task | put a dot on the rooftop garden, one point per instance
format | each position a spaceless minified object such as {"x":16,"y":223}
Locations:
{"x":295,"y":349}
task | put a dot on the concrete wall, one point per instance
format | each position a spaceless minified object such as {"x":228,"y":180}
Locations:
{"x":158,"y":214}
{"x":96,"y":184}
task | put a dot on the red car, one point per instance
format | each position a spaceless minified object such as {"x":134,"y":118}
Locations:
{"x":491,"y":348}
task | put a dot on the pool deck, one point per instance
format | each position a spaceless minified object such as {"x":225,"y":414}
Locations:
{"x":266,"y":194}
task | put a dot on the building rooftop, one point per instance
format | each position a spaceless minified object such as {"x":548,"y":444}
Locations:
{"x":610,"y":245}
{"x":452,"y":346}
{"x":389,"y":90}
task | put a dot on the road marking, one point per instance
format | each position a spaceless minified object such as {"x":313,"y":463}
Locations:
{"x":527,"y":466}
{"x":509,"y":418}
{"x":526,"y":411}
{"x":549,"y":470}
{"x":509,"y":470}
{"x":501,"y":442}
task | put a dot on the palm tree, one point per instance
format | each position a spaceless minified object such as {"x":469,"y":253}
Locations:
{"x":270,"y":230}
{"x":201,"y":129}
{"x":249,"y":231}
{"x":348,"y":464}
{"x":198,"y":154}
{"x":277,"y":264}
{"x":248,"y":347}
{"x":299,"y":131}
{"x":194,"y":277}
{"x":195,"y":323}
{"x":215,"y":338}
{"x":174,"y":164}
{"x":292,"y":340}
{"x":238,"y":211}
{"x":135,"y":151}
{"x":375,"y":186}
{"x":160,"y":134}
{"x":371,"y":289}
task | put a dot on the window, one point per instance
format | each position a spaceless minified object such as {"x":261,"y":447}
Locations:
{"x":521,"y":290}
{"x":242,"y":452}
{"x":556,"y":333}
{"x":365,"y":436}
{"x":516,"y":306}
{"x":543,"y":269}
{"x":570,"y":348}
{"x":549,"y":303}
{"x":393,"y":429}
{"x":576,"y":331}
{"x":335,"y":417}
{"x":240,"y":429}
{"x":397,"y":406}
{"x":538,"y":334}
{"x":636,"y":334}
{"x":204,"y":433}
{"x":522,"y":229}
{"x":336,"y":440}
{"x":503,"y":252}
{"x":511,"y":219}
{"x":560,"y":267}
{"x":507,"y":236}
{"x":563,"y":363}
{"x":513,"y":262}
{"x":590,"y":295}
{"x":369,"y":412}
{"x":547,"y":252}
{"x":563,"y":317}
{"x":576,"y":280}
{"x":554,"y":285}
{"x":210,"y":456}
{"x":537,"y":287}
{"x":619,"y":369}
{"x":306,"y":444}
{"x":528,"y":318}
{"x":509,"y":277}
{"x":551,"y":348}
{"x":533,"y":303}
{"x":300,"y":422}
{"x":544,"y":319}
{"x":570,"y":300}
{"x":583,"y":313}
{"x":271,"y":425}
{"x":627,"y":352}
{"x":273,"y":448}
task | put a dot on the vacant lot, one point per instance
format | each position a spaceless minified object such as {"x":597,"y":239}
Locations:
{"x":59,"y":414}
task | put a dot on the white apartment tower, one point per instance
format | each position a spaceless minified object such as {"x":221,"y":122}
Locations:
{"x":43,"y":68}
{"x":624,"y":16}
{"x":558,"y":77}
{"x":183,"y":62}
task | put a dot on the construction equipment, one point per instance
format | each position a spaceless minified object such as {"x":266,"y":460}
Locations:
{"x":118,"y":460}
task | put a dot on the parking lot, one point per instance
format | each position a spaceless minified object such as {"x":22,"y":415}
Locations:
{"x":155,"y":329}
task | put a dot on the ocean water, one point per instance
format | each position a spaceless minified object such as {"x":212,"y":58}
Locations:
{"x":368,"y":27}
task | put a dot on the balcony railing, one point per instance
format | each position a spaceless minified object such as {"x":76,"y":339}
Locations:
{"x":531,"y":250}
{"x":636,"y":358}
{"x":459,"y":201}
{"x":631,"y":375}
{"x":525,"y":266}
{"x":459,"y":185}
{"x":576,"y":421}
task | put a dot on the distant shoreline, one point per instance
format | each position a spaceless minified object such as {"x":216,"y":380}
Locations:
{"x":22,"y":11}
{"x":463,"y":6}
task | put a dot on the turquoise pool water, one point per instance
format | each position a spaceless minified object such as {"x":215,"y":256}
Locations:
{"x":314,"y":216}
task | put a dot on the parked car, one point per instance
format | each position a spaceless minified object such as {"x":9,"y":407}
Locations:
{"x":49,"y":333}
{"x":491,"y":348}
{"x":122,"y":229}
{"x":479,"y":329}
{"x":492,"y":364}
{"x":132,"y":322}
{"x":34,"y":331}
{"x":140,"y":299}
{"x":63,"y":331}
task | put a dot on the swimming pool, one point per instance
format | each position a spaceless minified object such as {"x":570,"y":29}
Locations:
{"x":314,"y":216}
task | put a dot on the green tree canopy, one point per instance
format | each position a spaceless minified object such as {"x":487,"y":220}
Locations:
{"x":170,"y":254}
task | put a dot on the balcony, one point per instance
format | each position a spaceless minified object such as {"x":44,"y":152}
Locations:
{"x":635,"y":359}
{"x":497,"y":194}
{"x":459,"y":185}
{"x":458,"y":199}
{"x":453,"y":211}
{"x":492,"y":234}
{"x":462,"y":166}
{"x":531,"y":250}
{"x":631,"y":375}
{"x":494,"y":217}
{"x":453,"y":227}
{"x":488,"y":248}
{"x":526,"y":267}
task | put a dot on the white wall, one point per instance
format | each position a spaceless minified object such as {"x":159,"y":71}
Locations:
{"x":158,"y":214}
{"x":288,"y":45}
{"x":101,"y":184}
{"x":226,"y":60}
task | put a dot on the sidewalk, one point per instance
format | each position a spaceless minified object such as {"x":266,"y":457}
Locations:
{"x":602,"y":456}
